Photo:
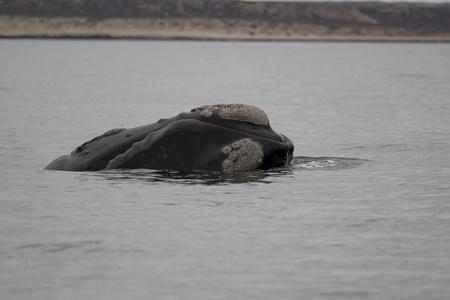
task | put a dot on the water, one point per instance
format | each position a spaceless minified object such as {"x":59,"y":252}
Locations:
{"x":363,"y":212}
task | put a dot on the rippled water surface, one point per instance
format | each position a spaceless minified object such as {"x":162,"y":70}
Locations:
{"x":363,"y":211}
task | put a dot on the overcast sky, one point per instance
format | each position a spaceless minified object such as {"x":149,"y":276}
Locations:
{"x":422,"y":1}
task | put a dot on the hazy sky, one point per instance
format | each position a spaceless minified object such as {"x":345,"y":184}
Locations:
{"x":423,"y":1}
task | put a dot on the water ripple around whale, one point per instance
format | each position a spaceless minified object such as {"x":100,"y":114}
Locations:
{"x":325,"y":163}
{"x":219,"y":178}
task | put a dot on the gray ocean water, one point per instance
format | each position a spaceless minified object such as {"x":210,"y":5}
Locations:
{"x":363,"y":212}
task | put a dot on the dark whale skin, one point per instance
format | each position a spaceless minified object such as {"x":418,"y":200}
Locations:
{"x":223,"y":137}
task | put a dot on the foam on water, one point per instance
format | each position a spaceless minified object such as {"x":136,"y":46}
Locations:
{"x":325,"y":163}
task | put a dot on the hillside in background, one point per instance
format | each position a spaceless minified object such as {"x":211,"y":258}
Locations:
{"x":224,"y":19}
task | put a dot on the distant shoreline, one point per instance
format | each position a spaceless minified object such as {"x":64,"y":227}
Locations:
{"x":323,"y":39}
{"x":199,"y":29}
{"x":225,"y":20}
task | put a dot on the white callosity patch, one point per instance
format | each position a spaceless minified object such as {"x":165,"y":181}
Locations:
{"x":207,"y":113}
{"x":237,"y":112}
{"x":243,"y":155}
{"x":113,"y":131}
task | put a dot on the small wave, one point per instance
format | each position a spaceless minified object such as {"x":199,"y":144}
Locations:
{"x":58,"y":247}
{"x":325,"y":163}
